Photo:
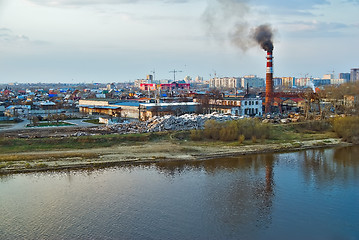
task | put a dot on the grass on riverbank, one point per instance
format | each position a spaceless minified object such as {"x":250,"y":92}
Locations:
{"x":279,"y":134}
{"x":16,"y":145}
{"x":50,"y":124}
{"x":93,"y":121}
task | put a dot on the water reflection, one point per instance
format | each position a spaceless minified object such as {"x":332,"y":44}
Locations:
{"x":326,"y":166}
{"x":250,"y":197}
{"x":247,"y":191}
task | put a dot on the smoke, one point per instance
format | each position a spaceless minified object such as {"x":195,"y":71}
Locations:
{"x":311,"y":85}
{"x":263,"y":35}
{"x":229,"y":20}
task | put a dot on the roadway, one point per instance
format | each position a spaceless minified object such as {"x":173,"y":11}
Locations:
{"x":22,"y":125}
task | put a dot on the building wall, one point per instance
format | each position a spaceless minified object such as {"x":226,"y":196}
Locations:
{"x":93,"y":102}
{"x":321,"y":82}
{"x":337,"y":81}
{"x":251,"y":107}
{"x":351,"y":100}
{"x":345,"y":76}
{"x":101,"y":111}
{"x":129,"y":111}
{"x":138,"y":82}
{"x":225,"y":82}
{"x":302,"y":82}
{"x":148,"y":86}
{"x":288,"y":81}
{"x":149,"y":110}
{"x":354,"y":74}
{"x":252,"y":81}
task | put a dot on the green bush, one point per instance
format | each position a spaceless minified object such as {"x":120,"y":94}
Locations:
{"x":196,"y":135}
{"x":230,"y":130}
{"x":347,"y":128}
{"x":253,"y":127}
{"x":212,"y":129}
{"x":314,"y":126}
{"x":241,"y":139}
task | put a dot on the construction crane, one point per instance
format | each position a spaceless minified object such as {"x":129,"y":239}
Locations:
{"x":154,"y":76}
{"x":174,"y":73}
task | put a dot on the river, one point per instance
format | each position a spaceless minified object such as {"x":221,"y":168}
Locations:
{"x":311,"y":194}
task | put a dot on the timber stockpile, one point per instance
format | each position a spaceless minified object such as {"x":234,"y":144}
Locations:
{"x":168,"y":123}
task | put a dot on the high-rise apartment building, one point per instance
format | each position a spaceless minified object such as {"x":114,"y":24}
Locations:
{"x":226,"y":82}
{"x":354,"y":74}
{"x":252,"y":81}
{"x":345,"y":76}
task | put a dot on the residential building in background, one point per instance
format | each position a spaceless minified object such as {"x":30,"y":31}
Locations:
{"x":328,"y":76}
{"x":225,"y":83}
{"x":354,"y":74}
{"x":344,"y":76}
{"x":277,"y":81}
{"x":138,"y":82}
{"x":288,"y":81}
{"x":252,"y":81}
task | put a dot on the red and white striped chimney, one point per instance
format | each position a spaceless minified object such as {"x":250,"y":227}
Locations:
{"x":269,"y":82}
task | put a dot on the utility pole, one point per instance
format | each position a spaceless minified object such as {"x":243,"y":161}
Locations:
{"x":174,"y":73}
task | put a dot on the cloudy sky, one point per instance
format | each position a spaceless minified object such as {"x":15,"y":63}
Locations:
{"x":122,"y":40}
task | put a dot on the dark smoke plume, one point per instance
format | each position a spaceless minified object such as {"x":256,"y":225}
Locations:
{"x":230,"y":20}
{"x":263,"y":35}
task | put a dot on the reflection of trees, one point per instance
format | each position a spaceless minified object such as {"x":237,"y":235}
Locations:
{"x":6,"y":177}
{"x":244,"y":196}
{"x":323,"y":170}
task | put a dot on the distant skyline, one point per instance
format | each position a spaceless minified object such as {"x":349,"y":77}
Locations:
{"x":122,"y":40}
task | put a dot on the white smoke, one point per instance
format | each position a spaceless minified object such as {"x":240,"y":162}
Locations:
{"x":311,"y":85}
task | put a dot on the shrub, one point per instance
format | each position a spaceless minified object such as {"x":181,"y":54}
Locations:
{"x":241,"y":139}
{"x":196,"y":135}
{"x":253,"y":127}
{"x":347,"y":128}
{"x":315,"y":126}
{"x":254,"y":139}
{"x":229,"y":131}
{"x":212,"y":129}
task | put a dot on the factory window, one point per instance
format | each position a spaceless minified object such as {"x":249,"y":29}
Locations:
{"x":245,"y":103}
{"x":256,"y":102}
{"x":250,"y":102}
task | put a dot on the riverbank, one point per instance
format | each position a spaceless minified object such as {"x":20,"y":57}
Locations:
{"x":145,"y":152}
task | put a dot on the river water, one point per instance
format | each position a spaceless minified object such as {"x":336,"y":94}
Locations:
{"x":310,"y":194}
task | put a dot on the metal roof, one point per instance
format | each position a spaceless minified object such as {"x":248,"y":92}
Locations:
{"x":101,"y":107}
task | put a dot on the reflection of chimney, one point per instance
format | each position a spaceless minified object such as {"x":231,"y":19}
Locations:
{"x":269,"y":82}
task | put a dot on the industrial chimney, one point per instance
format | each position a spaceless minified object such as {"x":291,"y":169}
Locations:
{"x":269,"y":82}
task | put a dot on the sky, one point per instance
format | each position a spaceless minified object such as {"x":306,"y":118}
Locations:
{"x":73,"y":41}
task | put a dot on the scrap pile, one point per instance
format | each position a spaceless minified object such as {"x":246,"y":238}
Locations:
{"x":169,"y":123}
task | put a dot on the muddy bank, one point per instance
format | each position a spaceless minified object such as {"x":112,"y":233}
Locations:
{"x":153,"y":152}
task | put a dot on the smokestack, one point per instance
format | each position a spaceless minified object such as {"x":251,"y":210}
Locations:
{"x":263,"y":35}
{"x":269,"y":82}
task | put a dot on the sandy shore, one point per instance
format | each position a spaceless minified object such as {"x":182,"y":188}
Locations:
{"x":142,"y":153}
